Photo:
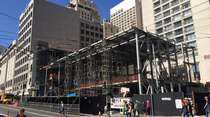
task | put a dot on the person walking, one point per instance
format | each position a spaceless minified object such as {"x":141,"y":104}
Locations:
{"x":189,"y":107}
{"x":108,"y":108}
{"x":135,"y":109}
{"x":123,"y":107}
{"x":99,"y":109}
{"x":132,"y":108}
{"x":184,"y":109}
{"x":207,"y":106}
{"x":144,"y":108}
{"x":21,"y":113}
{"x":148,"y":108}
{"x":62,"y":109}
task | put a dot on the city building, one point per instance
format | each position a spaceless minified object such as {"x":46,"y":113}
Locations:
{"x":2,"y":49}
{"x":7,"y":68}
{"x":87,"y":10}
{"x":41,"y":24}
{"x":184,"y":21}
{"x":126,"y":14}
{"x":108,"y":28}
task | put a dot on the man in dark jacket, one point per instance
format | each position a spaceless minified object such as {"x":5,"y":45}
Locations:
{"x":21,"y":113}
{"x":184,"y":110}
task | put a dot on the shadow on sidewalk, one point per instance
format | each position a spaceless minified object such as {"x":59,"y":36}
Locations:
{"x":2,"y":116}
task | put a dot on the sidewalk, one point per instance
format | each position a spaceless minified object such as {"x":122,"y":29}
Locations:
{"x":120,"y":115}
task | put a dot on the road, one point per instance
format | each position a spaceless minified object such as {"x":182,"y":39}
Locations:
{"x":28,"y":111}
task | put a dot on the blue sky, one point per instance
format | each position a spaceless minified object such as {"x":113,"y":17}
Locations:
{"x":9,"y":26}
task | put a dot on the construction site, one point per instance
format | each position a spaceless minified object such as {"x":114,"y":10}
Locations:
{"x":140,"y":61}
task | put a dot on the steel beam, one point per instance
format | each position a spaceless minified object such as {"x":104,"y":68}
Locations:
{"x":188,"y":65}
{"x":196,"y":71}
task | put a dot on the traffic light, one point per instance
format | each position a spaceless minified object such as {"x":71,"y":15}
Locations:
{"x":104,"y":85}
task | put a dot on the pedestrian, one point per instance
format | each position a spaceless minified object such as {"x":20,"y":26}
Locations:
{"x":123,"y":107}
{"x":148,"y":108}
{"x":108,"y":108}
{"x":207,"y":106}
{"x":99,"y":109}
{"x":132,"y":108}
{"x":135,"y":109}
{"x":144,"y":108}
{"x":184,"y":110}
{"x":62,"y":109}
{"x":189,"y":107}
{"x":21,"y":113}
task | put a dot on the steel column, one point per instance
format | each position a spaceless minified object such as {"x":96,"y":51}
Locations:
{"x":59,"y":76}
{"x":45,"y":88}
{"x":157,"y":83}
{"x":196,"y":71}
{"x":169,"y":66}
{"x":188,"y":65}
{"x":138,"y":60}
{"x":186,"y":76}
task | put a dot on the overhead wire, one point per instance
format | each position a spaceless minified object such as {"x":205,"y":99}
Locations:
{"x":9,"y":16}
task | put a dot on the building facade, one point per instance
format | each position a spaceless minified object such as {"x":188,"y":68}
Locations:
{"x":2,"y":49}
{"x":7,"y":68}
{"x":184,"y":21}
{"x":109,"y":28}
{"x":127,"y":14}
{"x":87,"y":10}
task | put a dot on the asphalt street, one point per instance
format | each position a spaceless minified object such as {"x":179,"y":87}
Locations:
{"x":28,"y":111}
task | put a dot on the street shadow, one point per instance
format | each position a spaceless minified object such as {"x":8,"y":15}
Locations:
{"x":2,"y":116}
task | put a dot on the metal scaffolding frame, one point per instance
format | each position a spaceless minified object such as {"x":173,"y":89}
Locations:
{"x":108,"y":61}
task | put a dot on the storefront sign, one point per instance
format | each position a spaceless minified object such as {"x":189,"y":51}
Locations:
{"x":206,"y":56}
{"x":116,"y":103}
{"x":166,"y":99}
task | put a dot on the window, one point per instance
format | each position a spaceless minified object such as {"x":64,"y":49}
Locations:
{"x":82,"y":31}
{"x":186,"y":5}
{"x":166,"y":6}
{"x":101,"y":30}
{"x":177,"y":24}
{"x":82,"y":45}
{"x":92,"y":27}
{"x":188,"y":20}
{"x":159,"y":30}
{"x":82,"y":38}
{"x":159,"y":24}
{"x":87,"y":39}
{"x":178,"y":32}
{"x":179,"y":39}
{"x":157,"y":10}
{"x":175,"y":2}
{"x":190,"y":36}
{"x":92,"y":34}
{"x":165,"y":1}
{"x":87,"y":26}
{"x":158,"y":17}
{"x":168,"y":20}
{"x":186,"y":13}
{"x":96,"y":34}
{"x":189,"y":28}
{"x":157,"y":4}
{"x":169,"y":27}
{"x":82,"y":24}
{"x":177,"y":17}
{"x":87,"y":32}
{"x":92,"y":40}
{"x":96,"y":28}
{"x":192,"y":44}
{"x":161,"y":36}
{"x":167,"y":13}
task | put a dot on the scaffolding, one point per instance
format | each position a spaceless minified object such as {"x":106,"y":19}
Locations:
{"x":133,"y":59}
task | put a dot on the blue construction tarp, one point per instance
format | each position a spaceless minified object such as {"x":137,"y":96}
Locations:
{"x":71,"y":95}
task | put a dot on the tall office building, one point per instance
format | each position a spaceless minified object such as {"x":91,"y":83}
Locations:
{"x":127,"y":14}
{"x":42,"y":21}
{"x":2,"y":49}
{"x":185,"y":21}
{"x":88,"y":10}
{"x":7,"y":67}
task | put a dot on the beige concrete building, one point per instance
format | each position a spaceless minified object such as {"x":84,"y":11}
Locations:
{"x":127,"y":14}
{"x":108,"y":28}
{"x":185,"y":21}
{"x":2,"y":49}
{"x":7,"y":67}
{"x":87,"y":10}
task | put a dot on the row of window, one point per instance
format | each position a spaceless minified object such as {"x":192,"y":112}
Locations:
{"x":22,"y":61}
{"x":88,"y":40}
{"x":25,"y":12}
{"x":21,"y":78}
{"x":92,"y":34}
{"x":175,"y":17}
{"x":8,"y":83}
{"x":121,"y":10}
{"x":22,"y":53}
{"x":22,"y":69}
{"x":91,"y":27}
{"x":23,"y":24}
{"x":167,"y":6}
{"x":20,"y":40}
{"x":174,"y":25}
